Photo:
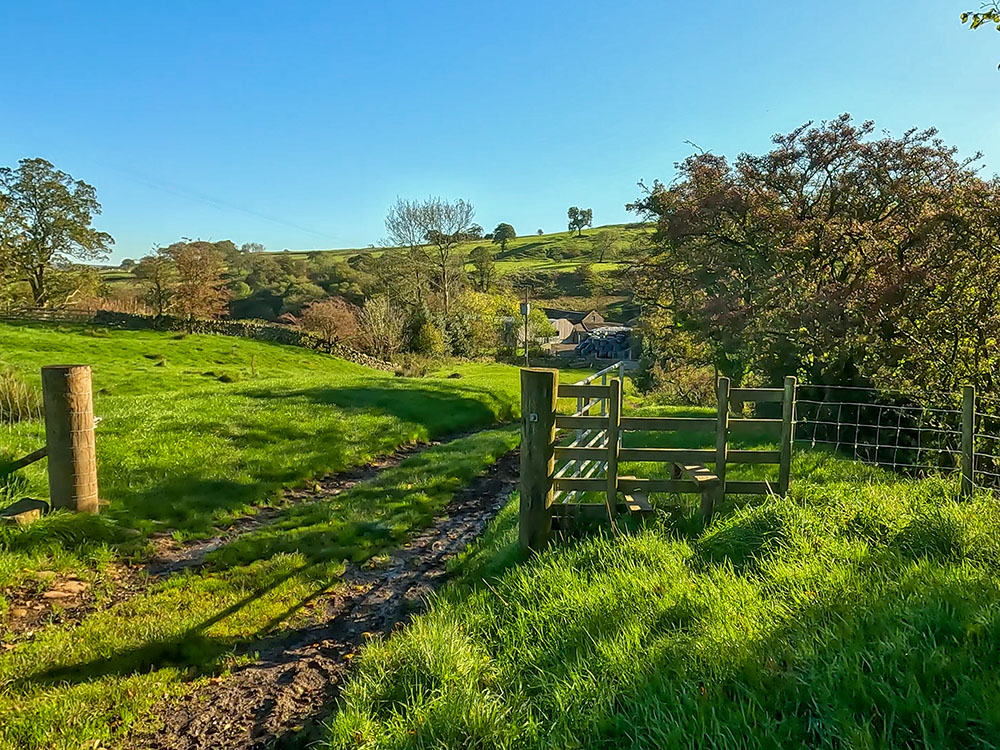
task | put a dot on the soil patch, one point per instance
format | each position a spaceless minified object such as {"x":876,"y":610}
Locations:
{"x":279,"y":700}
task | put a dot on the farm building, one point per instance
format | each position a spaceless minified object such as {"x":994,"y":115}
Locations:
{"x":589,"y":334}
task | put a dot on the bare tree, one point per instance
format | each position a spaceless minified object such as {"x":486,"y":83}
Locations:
{"x":446,"y":225}
{"x":404,"y":226}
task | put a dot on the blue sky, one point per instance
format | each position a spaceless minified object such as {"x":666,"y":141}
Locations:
{"x":296,"y":124}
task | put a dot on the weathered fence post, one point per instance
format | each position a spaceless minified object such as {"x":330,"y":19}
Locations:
{"x":787,"y":435}
{"x":539,"y":389}
{"x":968,"y":439}
{"x":614,"y":430}
{"x":69,"y":437}
{"x":722,"y":436}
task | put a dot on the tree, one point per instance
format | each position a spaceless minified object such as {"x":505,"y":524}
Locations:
{"x":442,"y":225}
{"x":405,"y":228}
{"x":838,"y":256}
{"x":485,"y":268}
{"x":249,"y":248}
{"x":200,"y":289}
{"x":46,"y":222}
{"x":333,"y":319}
{"x":579,"y":218}
{"x":474,"y":232}
{"x":382,"y":326}
{"x":158,"y":276}
{"x":540,"y":232}
{"x":605,"y":243}
{"x":503,"y":234}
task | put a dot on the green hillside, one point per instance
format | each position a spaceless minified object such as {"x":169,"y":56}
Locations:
{"x":557,"y":251}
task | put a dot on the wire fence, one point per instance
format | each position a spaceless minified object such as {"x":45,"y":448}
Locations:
{"x":915,"y":433}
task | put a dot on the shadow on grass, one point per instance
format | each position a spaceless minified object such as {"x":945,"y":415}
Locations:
{"x":191,"y":650}
{"x":438,"y":407}
{"x":888,"y":650}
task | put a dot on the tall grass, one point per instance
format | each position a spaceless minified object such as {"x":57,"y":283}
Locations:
{"x":860,"y":611}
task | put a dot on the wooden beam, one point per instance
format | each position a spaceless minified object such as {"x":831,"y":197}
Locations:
{"x":584,"y":391}
{"x":614,"y":425}
{"x":683,"y":455}
{"x":757,"y":395}
{"x":721,"y":441}
{"x":564,"y":422}
{"x":753,"y":457}
{"x":69,"y":437}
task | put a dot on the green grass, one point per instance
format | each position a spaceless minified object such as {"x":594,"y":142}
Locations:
{"x":180,"y":449}
{"x":100,"y":679}
{"x":861,"y":611}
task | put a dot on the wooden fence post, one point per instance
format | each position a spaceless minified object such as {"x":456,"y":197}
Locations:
{"x":539,"y":389}
{"x":69,"y":437}
{"x":968,"y":439}
{"x":787,"y":435}
{"x":614,"y":430}
{"x":722,"y":436}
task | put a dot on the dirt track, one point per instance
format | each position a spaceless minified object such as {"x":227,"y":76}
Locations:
{"x":280,"y":699}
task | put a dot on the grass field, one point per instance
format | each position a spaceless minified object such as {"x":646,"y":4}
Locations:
{"x":197,"y":430}
{"x":862,"y":611}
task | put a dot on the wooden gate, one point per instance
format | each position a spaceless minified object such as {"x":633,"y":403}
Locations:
{"x":554,"y":476}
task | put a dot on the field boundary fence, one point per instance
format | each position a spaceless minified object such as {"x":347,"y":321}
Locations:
{"x":915,"y":433}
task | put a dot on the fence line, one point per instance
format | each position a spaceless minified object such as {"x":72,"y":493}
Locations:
{"x":919,"y":433}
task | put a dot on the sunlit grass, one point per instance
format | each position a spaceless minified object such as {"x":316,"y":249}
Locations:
{"x":861,"y":611}
{"x":100,"y":679}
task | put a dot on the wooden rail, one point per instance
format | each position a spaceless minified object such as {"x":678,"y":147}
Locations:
{"x":596,"y":448}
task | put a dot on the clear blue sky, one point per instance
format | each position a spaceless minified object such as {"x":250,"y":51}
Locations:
{"x":296,"y":124}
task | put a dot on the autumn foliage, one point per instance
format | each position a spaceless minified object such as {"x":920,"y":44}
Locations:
{"x":839,"y":255}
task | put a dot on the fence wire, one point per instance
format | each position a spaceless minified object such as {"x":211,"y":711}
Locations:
{"x":914,"y":433}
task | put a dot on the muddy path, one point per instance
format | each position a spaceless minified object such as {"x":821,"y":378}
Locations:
{"x":65,"y":599}
{"x":280,"y":699}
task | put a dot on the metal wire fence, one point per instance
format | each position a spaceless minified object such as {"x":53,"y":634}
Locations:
{"x":914,"y":433}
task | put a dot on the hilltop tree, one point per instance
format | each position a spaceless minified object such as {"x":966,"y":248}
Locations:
{"x":45,"y":223}
{"x":485,"y":268}
{"x":579,"y":218}
{"x":503,"y":234}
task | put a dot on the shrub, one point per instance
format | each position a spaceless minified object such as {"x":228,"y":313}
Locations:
{"x":18,"y":400}
{"x":428,"y":340}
